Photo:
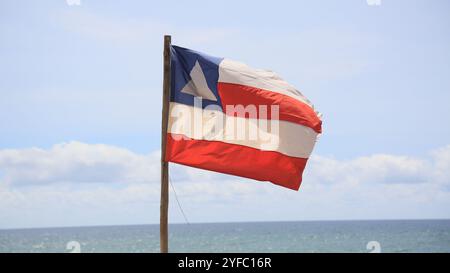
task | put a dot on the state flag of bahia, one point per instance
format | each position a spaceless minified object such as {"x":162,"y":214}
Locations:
{"x":227,"y":117}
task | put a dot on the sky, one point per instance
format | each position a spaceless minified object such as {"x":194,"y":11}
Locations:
{"x":80,"y":104}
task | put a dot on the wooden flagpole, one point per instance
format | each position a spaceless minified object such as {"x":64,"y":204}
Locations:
{"x":164,"y":206}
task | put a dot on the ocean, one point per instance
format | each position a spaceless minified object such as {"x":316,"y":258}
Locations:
{"x":308,"y":236}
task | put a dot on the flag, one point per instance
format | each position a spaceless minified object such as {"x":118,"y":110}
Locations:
{"x":227,"y":117}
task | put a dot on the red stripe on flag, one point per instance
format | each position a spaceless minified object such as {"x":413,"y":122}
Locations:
{"x":290,"y":109}
{"x":237,"y":160}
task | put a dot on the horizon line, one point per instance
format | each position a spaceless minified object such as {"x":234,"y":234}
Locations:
{"x":230,"y":222}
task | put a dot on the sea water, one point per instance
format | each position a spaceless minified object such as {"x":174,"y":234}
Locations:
{"x":308,"y":236}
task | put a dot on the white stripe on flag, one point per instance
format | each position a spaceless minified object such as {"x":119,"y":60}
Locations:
{"x":291,"y":139}
{"x":240,"y":73}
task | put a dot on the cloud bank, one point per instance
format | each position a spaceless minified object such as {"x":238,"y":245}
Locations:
{"x":80,"y":184}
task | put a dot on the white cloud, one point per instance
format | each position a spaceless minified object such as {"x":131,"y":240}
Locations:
{"x":76,"y":162}
{"x":379,"y":168}
{"x":441,"y":170}
{"x":384,"y":168}
{"x":77,"y":183}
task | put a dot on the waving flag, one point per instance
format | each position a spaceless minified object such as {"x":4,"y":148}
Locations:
{"x":227,"y":117}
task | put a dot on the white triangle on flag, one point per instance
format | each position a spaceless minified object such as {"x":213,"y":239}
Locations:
{"x":198,"y":86}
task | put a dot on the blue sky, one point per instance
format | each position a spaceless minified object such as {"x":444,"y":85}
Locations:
{"x":82,"y":79}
